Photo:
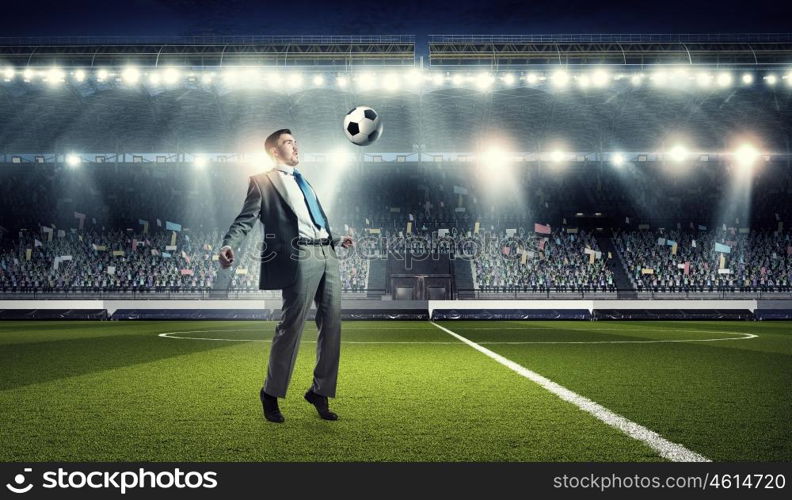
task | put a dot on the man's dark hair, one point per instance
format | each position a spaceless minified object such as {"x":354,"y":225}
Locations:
{"x":272,"y":139}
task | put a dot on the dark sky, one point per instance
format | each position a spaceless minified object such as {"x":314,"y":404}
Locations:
{"x":361,"y":17}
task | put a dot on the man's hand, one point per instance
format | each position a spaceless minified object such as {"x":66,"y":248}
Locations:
{"x":226,"y":257}
{"x":346,"y":241}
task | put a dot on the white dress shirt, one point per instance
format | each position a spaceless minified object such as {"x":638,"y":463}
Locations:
{"x":305,"y":226}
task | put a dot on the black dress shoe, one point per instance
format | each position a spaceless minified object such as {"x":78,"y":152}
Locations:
{"x":320,"y":402}
{"x":271,"y":410}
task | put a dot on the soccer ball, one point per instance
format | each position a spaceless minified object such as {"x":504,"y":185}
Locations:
{"x":362,"y":126}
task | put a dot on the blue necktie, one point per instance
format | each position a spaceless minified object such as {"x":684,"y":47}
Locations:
{"x":310,"y":199}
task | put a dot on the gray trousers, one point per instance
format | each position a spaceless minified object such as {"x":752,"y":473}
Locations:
{"x":317,"y":280}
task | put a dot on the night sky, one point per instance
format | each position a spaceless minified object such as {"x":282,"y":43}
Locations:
{"x":420,"y":18}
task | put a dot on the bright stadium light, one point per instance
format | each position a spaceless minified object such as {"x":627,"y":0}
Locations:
{"x":617,"y":159}
{"x":531,"y":78}
{"x":318,"y":80}
{"x":636,"y":80}
{"x":79,"y":75}
{"x":678,"y":153}
{"x":391,"y":82}
{"x":600,"y":78}
{"x":660,"y":78}
{"x":340,"y":158}
{"x":27,"y":75}
{"x":771,"y":79}
{"x":155,"y":78}
{"x":342,"y":81}
{"x":583,"y":81}
{"x":788,"y":78}
{"x":746,"y":155}
{"x":366,"y":81}
{"x":560,"y":78}
{"x":295,"y":80}
{"x":102,"y":75}
{"x":495,"y":158}
{"x":130,"y":75}
{"x":8,"y":73}
{"x":230,"y":76}
{"x":725,"y":79}
{"x":508,"y":79}
{"x":55,"y":76}
{"x":200,"y":161}
{"x":171,"y":76}
{"x":413,"y":77}
{"x":704,"y":79}
{"x":207,"y":78}
{"x":457,"y":79}
{"x":72,"y":160}
{"x":747,"y":79}
{"x":484,"y":81}
{"x":438,"y":79}
{"x":557,"y":156}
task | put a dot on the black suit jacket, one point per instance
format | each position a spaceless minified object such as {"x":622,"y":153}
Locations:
{"x":266,"y":201}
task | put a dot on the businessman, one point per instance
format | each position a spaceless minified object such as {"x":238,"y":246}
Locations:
{"x":298,"y":257}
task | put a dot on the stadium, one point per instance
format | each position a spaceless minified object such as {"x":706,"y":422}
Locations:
{"x":567,"y":248}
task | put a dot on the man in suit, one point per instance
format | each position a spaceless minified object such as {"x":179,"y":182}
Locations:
{"x":298,"y":257}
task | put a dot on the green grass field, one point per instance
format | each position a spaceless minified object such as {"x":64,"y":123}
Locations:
{"x":408,"y":391}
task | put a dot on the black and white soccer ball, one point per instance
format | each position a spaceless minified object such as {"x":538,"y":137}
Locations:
{"x":362,"y":126}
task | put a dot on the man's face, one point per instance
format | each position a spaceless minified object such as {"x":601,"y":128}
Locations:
{"x":286,"y":151}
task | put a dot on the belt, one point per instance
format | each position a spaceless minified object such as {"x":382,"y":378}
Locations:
{"x":317,"y":242}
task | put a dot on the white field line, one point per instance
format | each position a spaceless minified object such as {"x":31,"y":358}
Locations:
{"x":665,"y":448}
{"x":744,"y":336}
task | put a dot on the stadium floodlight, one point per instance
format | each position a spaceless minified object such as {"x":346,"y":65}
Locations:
{"x":600,"y":78}
{"x":704,"y":79}
{"x":55,"y":76}
{"x":484,"y":81}
{"x":340,"y":158}
{"x":155,"y":78}
{"x":27,"y":75}
{"x":342,"y":81}
{"x":678,"y":153}
{"x":557,"y":156}
{"x":102,"y":75}
{"x":771,"y":79}
{"x":617,"y":159}
{"x":725,"y":79}
{"x":560,"y":78}
{"x":636,"y":80}
{"x":72,"y":160}
{"x":531,"y":78}
{"x":457,"y":79}
{"x":318,"y":80}
{"x":8,"y":73}
{"x":230,"y":76}
{"x":747,"y":78}
{"x":746,"y":155}
{"x":495,"y":158}
{"x":200,"y":161}
{"x":413,"y":77}
{"x":79,"y":75}
{"x":130,"y":75}
{"x":508,"y":79}
{"x":207,"y":78}
{"x":366,"y":81}
{"x":295,"y":80}
{"x":171,"y":76}
{"x":660,"y":78}
{"x":788,"y":78}
{"x":438,"y":79}
{"x":583,"y":81}
{"x":391,"y":82}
